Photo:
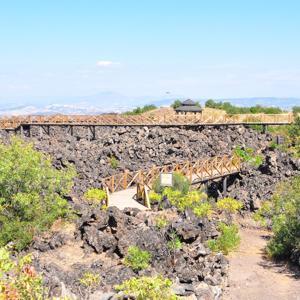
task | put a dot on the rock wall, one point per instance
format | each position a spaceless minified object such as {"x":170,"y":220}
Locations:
{"x":101,"y":241}
{"x":136,"y":147}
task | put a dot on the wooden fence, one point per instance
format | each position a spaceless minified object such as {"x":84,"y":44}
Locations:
{"x":171,"y":119}
{"x":197,"y":171}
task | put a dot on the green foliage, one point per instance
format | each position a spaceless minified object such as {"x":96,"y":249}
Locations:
{"x":89,"y":279}
{"x":148,"y":288}
{"x":203,"y":210}
{"x":264,"y":214}
{"x":176,"y":104}
{"x":95,"y":196}
{"x":283,"y":211}
{"x":174,"y":243}
{"x":137,"y":259}
{"x":161,"y":222}
{"x":296,"y":110}
{"x":248,"y":155}
{"x":227,"y":241}
{"x":141,"y":110}
{"x":232,"y":109}
{"x":180,"y":183}
{"x":31,"y":193}
{"x":18,"y":279}
{"x":114,"y":163}
{"x":291,"y":134}
{"x":154,"y":197}
{"x":229,"y":205}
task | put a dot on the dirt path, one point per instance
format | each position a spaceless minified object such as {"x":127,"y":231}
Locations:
{"x":253,"y":277}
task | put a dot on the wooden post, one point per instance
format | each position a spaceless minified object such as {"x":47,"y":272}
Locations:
{"x":147,"y":201}
{"x":112,"y":187}
{"x":225,"y":187}
{"x":125,"y":179}
{"x":107,"y":196}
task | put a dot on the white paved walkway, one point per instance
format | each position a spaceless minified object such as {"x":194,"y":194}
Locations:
{"x":124,"y":199}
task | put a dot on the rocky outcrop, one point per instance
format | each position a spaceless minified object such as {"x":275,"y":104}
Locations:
{"x":136,"y":147}
{"x":254,"y":185}
{"x":106,"y":236}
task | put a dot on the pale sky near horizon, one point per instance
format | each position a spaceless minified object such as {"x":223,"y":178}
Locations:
{"x":195,"y":48}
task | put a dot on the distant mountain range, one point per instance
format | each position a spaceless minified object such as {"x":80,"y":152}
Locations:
{"x":112,"y":102}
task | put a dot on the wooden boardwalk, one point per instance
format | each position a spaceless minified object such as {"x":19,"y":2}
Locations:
{"x":14,"y":123}
{"x":123,"y":187}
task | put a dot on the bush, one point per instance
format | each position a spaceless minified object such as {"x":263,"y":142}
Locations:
{"x":174,"y":243}
{"x":233,"y":109}
{"x":154,"y":197}
{"x":203,"y":210}
{"x":31,"y":193}
{"x":176,"y":104}
{"x":227,"y":241}
{"x":148,"y":288}
{"x":114,"y":163}
{"x":284,"y":212}
{"x":95,"y":196}
{"x":89,"y":279}
{"x":161,"y":222}
{"x":248,"y":155}
{"x":229,"y":205}
{"x":193,"y":200}
{"x":180,"y":183}
{"x":137,"y":259}
{"x":18,"y":279}
{"x":264,"y":214}
{"x":141,"y":110}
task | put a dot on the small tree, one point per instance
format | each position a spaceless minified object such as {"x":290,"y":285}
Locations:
{"x":31,"y":193}
{"x":18,"y":279}
{"x":176,"y":104}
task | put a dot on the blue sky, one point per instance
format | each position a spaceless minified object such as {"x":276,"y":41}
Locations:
{"x":192,"y":48}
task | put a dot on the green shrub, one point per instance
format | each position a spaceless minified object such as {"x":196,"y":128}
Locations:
{"x":174,"y":243}
{"x":95,"y":196}
{"x":203,"y":210}
{"x":195,"y":200}
{"x":148,"y":288}
{"x":141,"y":110}
{"x":264,"y":214}
{"x":229,"y":205}
{"x":284,"y":212}
{"x":31,"y":193}
{"x":18,"y":279}
{"x":90,"y":279}
{"x":114,"y":163}
{"x":248,"y":155}
{"x":176,"y":104}
{"x":180,"y":183}
{"x":227,"y":241}
{"x":161,"y":222}
{"x":233,"y":109}
{"x":154,"y":197}
{"x":137,"y":259}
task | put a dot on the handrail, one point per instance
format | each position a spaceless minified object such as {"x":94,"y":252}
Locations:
{"x":119,"y":120}
{"x":196,"y":171}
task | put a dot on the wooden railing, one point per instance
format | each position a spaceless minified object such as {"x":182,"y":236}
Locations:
{"x":171,"y":119}
{"x":197,"y":171}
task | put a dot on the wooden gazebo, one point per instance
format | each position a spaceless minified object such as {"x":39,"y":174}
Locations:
{"x":188,"y":106}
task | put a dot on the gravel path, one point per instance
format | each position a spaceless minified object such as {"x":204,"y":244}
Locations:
{"x":253,"y":277}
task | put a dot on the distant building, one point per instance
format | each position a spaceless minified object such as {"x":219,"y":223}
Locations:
{"x":188,"y":106}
